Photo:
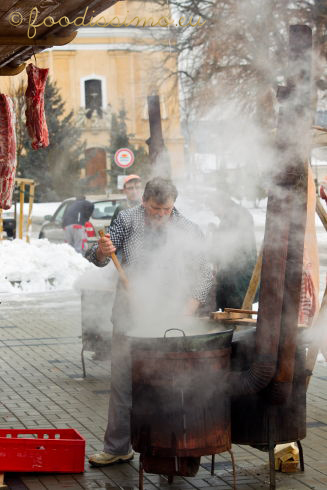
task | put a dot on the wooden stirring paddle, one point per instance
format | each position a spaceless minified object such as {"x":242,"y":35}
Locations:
{"x":118,"y":266}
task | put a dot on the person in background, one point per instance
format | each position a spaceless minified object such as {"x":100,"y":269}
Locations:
{"x":151,"y":235}
{"x":133,"y":191}
{"x":232,"y":250}
{"x":73,"y":221}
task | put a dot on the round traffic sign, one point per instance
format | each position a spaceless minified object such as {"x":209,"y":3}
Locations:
{"x":124,"y":158}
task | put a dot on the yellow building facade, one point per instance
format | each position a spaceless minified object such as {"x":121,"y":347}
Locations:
{"x":108,"y":68}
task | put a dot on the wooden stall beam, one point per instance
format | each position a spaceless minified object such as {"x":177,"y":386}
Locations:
{"x":241,"y":310}
{"x":7,"y":71}
{"x":47,"y":41}
{"x":20,"y":180}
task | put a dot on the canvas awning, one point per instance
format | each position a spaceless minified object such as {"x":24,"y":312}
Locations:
{"x":15,"y":17}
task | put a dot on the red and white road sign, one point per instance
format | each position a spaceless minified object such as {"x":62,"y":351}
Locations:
{"x":124,"y":158}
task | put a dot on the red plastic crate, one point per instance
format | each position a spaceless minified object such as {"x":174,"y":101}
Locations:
{"x":42,"y":450}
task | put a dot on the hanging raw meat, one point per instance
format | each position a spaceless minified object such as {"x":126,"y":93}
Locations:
{"x":7,"y":151}
{"x":35,"y":117}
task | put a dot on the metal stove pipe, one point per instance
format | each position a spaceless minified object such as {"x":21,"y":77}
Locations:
{"x":284,"y":234}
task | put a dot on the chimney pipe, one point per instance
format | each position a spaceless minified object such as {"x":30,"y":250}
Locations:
{"x":284,"y":234}
{"x":157,"y":150}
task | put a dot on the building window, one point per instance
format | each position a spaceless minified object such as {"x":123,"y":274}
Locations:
{"x":93,"y":97}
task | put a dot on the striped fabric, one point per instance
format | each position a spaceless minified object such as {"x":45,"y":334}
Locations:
{"x":308,"y":299}
{"x":129,"y":234}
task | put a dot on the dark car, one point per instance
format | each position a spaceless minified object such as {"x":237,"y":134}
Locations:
{"x":9,"y":221}
{"x":9,"y":226}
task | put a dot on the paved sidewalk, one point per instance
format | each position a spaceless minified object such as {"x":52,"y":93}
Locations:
{"x":41,"y":386}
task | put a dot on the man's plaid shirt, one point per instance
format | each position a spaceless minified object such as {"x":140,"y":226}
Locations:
{"x":129,"y":234}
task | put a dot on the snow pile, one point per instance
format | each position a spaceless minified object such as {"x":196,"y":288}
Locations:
{"x":39,"y":266}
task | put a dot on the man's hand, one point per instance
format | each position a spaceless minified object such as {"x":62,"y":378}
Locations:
{"x":105,"y":248}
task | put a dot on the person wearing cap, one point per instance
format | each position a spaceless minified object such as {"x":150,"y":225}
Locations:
{"x":133,"y":191}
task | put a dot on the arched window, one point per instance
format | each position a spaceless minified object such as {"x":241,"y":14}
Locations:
{"x":93,"y":95}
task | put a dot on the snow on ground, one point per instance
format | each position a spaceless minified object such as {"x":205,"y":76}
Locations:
{"x":39,"y":266}
{"x":43,"y":266}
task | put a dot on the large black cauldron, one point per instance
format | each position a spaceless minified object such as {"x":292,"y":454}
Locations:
{"x":179,"y":410}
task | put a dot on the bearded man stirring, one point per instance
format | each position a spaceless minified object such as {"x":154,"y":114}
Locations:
{"x":153,"y":237}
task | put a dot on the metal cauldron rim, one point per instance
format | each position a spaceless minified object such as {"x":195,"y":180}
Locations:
{"x":206,"y":341}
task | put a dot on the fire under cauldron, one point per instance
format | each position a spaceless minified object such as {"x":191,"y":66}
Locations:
{"x":179,"y":411}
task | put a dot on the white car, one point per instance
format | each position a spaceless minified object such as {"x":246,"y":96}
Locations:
{"x":101,"y":217}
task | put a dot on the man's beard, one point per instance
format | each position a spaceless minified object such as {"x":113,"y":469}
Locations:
{"x":157,"y":221}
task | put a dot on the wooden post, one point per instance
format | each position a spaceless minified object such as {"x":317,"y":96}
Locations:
{"x":253,"y":285}
{"x":2,"y":481}
{"x":117,"y":264}
{"x":30,"y":208}
{"x":21,"y":209}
